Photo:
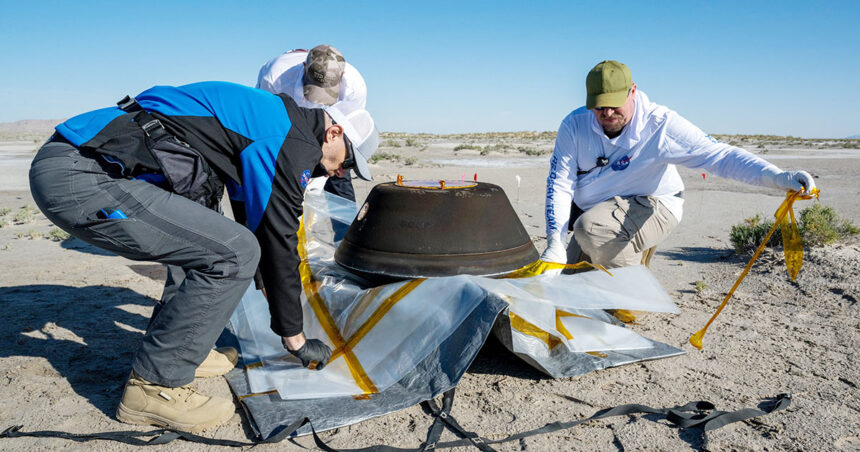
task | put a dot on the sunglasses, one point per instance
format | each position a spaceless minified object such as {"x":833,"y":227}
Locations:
{"x":349,"y":162}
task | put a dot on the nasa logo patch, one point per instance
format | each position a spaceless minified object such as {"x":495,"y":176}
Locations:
{"x":306,"y":177}
{"x":621,"y":164}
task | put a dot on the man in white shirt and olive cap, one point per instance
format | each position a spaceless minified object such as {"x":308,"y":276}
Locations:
{"x":614,"y":167}
{"x":316,"y":79}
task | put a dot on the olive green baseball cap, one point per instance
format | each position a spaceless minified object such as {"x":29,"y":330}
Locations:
{"x":607,"y":85}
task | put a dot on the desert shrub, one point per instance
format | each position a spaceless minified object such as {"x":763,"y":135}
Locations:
{"x":499,"y":147}
{"x":391,"y":143}
{"x":461,"y":147}
{"x":4,"y":222}
{"x":409,"y":161}
{"x":27,"y":214}
{"x":748,"y":235}
{"x":31,"y":234}
{"x":413,"y":143}
{"x":818,"y":225}
{"x":58,"y":235}
{"x":700,"y":287}
{"x":5,"y":211}
{"x":530,"y":151}
{"x":379,"y":156}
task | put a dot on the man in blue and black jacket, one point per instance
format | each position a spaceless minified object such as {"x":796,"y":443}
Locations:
{"x":144,"y":180}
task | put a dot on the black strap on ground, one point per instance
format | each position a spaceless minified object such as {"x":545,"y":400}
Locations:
{"x":443,"y":416}
{"x":435,"y":432}
{"x":692,"y":415}
{"x":159,"y":436}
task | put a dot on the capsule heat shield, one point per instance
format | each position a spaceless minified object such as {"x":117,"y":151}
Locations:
{"x":426,"y":229}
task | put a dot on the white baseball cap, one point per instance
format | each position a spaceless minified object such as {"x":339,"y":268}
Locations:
{"x":362,"y":138}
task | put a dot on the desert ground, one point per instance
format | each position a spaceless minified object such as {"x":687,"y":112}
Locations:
{"x":73,"y":317}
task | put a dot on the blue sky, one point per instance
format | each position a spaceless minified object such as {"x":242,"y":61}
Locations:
{"x":785,"y":68}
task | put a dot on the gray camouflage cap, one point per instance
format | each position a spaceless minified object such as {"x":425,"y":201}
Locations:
{"x":323,"y":73}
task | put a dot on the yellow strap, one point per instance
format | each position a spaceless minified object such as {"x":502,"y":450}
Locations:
{"x":793,"y":259}
{"x":311,"y":288}
{"x":559,"y":325}
{"x":538,"y":267}
{"x":255,"y":394}
{"x":377,"y":316}
{"x":792,"y":245}
{"x":254,"y":365}
{"x":523,"y":326}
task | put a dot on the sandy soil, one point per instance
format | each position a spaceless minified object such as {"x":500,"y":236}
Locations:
{"x":74,"y":316}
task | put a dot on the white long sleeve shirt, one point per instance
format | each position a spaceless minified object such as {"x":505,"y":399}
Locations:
{"x":284,"y":75}
{"x":642,"y":161}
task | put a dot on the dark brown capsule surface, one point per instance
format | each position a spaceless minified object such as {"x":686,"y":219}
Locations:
{"x":426,"y":229}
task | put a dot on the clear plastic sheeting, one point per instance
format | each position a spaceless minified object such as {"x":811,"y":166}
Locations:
{"x":397,"y":341}
{"x":387,"y":339}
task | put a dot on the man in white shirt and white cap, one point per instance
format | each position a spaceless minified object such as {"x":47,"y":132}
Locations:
{"x":614,"y":164}
{"x":316,"y":79}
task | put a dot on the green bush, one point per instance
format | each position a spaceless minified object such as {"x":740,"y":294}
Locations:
{"x":26,"y":215}
{"x":379,"y":156}
{"x":32,"y":234}
{"x":461,"y":147}
{"x":58,"y":235}
{"x":530,"y":151}
{"x":818,"y":225}
{"x":749,"y":235}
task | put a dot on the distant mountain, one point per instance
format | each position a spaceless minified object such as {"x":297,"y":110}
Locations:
{"x":30,"y":126}
{"x":853,"y":137}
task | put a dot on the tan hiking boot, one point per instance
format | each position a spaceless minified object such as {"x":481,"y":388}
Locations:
{"x":220,"y":361}
{"x":180,"y":408}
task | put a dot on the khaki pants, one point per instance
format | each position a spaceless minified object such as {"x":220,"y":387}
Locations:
{"x":615,"y":232}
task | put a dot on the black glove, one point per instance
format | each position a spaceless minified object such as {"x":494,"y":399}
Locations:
{"x":313,"y":350}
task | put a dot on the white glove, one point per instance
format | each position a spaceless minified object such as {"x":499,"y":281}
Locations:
{"x":787,"y":180}
{"x":555,"y":250}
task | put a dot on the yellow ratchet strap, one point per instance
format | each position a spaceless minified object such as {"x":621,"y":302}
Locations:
{"x":792,"y":245}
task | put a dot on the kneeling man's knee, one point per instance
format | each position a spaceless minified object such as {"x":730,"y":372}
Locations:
{"x":593,"y":230}
{"x":247,"y":255}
